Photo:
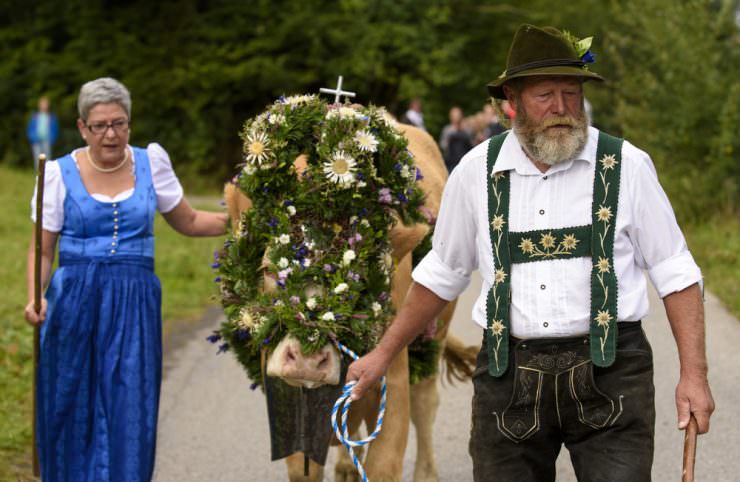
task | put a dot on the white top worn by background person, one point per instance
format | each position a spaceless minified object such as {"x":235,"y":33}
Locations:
{"x":552,"y":299}
{"x":167,"y":188}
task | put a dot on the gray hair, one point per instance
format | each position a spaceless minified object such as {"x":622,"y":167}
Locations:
{"x":104,"y":90}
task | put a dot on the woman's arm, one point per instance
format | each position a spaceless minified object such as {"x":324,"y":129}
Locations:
{"x":48,"y":246}
{"x":192,"y":222}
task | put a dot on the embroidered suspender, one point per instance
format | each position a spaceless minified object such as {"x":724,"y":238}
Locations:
{"x":596,"y":241}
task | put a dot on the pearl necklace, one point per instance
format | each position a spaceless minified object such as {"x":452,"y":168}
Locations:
{"x":105,"y":169}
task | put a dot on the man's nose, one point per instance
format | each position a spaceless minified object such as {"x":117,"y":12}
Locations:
{"x":558,"y":104}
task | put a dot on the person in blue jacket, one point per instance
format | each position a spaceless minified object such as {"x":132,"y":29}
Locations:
{"x":42,"y":131}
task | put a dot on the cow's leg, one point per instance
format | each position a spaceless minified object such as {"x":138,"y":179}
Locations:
{"x":384,"y":461}
{"x":297,"y":469}
{"x":345,"y":470}
{"x":424,"y":404}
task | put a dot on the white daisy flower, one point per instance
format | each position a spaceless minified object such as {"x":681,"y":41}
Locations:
{"x":405,"y":171}
{"x":328,"y":316}
{"x":340,"y":169}
{"x":348,"y":257}
{"x":376,"y":308}
{"x":311,"y":303}
{"x":298,"y":99}
{"x":284,"y":239}
{"x":291,"y":210}
{"x":344,"y":112}
{"x":257,"y":147}
{"x":276,"y":119}
{"x":365,"y":223}
{"x":306,"y":262}
{"x":249,"y":169}
{"x":366,"y":141}
{"x":283,"y":263}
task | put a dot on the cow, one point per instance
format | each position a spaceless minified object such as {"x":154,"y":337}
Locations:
{"x":417,"y":402}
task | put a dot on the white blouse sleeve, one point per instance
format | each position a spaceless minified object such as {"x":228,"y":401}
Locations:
{"x":166,"y":185}
{"x":54,"y":193}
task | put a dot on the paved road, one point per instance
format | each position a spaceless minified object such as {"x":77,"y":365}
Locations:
{"x":214,"y":428}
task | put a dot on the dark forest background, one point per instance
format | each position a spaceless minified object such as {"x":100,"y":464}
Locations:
{"x":198,"y":69}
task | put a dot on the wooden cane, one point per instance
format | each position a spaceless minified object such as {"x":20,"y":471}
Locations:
{"x":689,"y":450}
{"x":37,"y":299}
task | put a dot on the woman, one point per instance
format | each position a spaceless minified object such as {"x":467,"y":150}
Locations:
{"x":101,"y":352}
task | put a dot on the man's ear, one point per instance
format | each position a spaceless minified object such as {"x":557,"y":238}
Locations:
{"x":510,"y":96}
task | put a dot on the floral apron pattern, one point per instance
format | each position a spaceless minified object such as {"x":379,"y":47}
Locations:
{"x":595,"y":241}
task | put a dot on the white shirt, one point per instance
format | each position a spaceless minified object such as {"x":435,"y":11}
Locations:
{"x":552,"y":298}
{"x":167,"y":187}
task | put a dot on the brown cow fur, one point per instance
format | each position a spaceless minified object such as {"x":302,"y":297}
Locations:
{"x":384,"y":461}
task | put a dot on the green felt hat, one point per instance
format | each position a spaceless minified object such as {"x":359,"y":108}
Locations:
{"x":544,"y":51}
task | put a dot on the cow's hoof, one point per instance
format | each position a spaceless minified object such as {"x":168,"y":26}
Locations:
{"x":346,"y":472}
{"x":425,"y":473}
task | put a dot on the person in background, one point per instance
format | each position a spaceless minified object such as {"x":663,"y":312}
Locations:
{"x":493,"y":126}
{"x":42,"y":131}
{"x":563,"y":221}
{"x":455,"y":140}
{"x":100,"y":365}
{"x":414,"y":115}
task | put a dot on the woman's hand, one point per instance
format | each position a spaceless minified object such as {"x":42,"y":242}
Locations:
{"x":33,"y":318}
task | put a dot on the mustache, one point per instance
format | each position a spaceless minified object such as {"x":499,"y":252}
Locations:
{"x":559,"y":121}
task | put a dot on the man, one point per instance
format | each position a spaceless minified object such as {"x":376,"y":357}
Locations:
{"x":454,"y":140}
{"x":42,"y":131}
{"x":561,"y":220}
{"x":414,"y":115}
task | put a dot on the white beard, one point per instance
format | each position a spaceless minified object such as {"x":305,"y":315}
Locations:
{"x":551,"y":148}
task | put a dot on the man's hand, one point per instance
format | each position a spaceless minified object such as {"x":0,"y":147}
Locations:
{"x":367,"y":371}
{"x":31,"y":316}
{"x":693,"y":395}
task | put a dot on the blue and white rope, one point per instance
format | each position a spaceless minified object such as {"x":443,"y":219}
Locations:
{"x":346,"y":400}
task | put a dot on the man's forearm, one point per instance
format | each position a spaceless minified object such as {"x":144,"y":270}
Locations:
{"x":685,"y":312}
{"x":419,"y":308}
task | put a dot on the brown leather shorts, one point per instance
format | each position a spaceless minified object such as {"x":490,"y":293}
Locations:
{"x":553,"y":395}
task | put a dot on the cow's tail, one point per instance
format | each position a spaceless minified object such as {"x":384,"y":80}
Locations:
{"x":459,"y":359}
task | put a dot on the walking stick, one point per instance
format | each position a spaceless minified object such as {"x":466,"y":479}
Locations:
{"x":689,"y":450}
{"x":37,"y":298}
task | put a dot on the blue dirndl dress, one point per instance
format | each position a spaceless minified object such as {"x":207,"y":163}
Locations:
{"x":100,"y":365}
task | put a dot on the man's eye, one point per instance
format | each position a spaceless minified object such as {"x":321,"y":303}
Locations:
{"x":97,"y":126}
{"x":118,"y":123}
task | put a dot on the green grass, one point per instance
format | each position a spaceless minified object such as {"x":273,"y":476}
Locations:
{"x":716,"y":248}
{"x":182,"y":264}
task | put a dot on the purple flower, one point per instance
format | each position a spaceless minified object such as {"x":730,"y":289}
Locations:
{"x":588,"y":57}
{"x":294,"y":300}
{"x":287,"y":202}
{"x":328,"y":268}
{"x":254,"y":386}
{"x":215,"y":255}
{"x":217,"y":279}
{"x":266,"y":341}
{"x":362,"y":213}
{"x":223,"y":348}
{"x":353,"y":276}
{"x":243,"y":335}
{"x":402,"y":197}
{"x":383,"y":296}
{"x":398,"y":166}
{"x":419,"y":176}
{"x":215,"y":265}
{"x":214,"y":338}
{"x":273,"y":222}
{"x":384,"y":196}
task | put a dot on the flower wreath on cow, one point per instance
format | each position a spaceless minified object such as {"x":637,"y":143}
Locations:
{"x":327,"y":183}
